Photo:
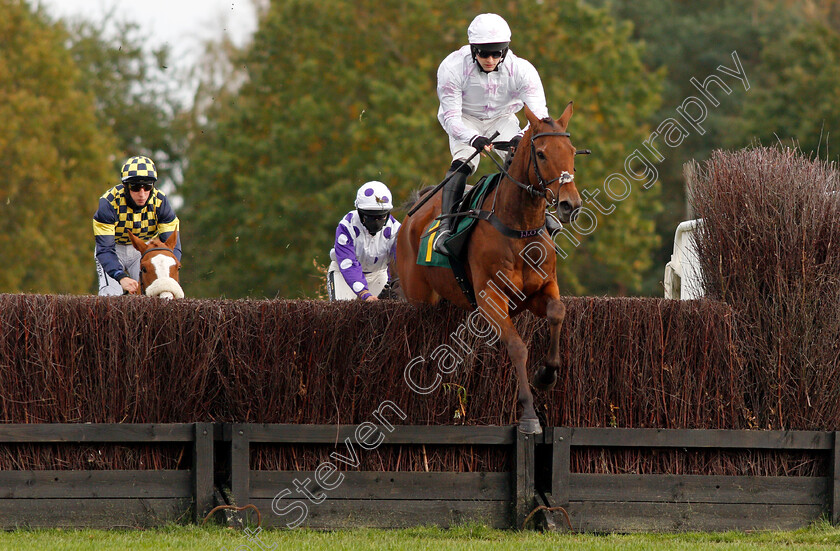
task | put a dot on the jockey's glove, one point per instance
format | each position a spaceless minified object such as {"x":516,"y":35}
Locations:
{"x":480,"y":142}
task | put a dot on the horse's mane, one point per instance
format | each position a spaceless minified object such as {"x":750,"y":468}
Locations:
{"x":413,"y":197}
{"x":156,"y":242}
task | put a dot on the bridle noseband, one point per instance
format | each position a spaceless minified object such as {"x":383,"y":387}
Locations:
{"x":543,"y":191}
{"x":540,"y":178}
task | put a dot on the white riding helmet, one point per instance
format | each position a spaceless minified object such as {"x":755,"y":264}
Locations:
{"x":374,"y":197}
{"x":488,"y":28}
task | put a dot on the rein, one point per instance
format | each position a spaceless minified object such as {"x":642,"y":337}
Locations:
{"x":534,"y":192}
{"x":490,"y":215}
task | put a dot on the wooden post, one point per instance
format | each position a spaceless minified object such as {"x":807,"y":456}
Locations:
{"x":524,"y":478}
{"x":690,"y":175}
{"x":203,"y":470}
{"x":835,"y":480}
{"x":240,"y":465}
{"x":561,"y":456}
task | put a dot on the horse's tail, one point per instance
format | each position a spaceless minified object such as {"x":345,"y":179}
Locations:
{"x":414,"y":197}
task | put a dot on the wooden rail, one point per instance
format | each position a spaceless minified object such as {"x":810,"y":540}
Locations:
{"x":391,"y":499}
{"x":107,"y":498}
{"x":382,"y":498}
{"x":644,"y":502}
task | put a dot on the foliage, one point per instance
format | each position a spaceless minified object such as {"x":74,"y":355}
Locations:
{"x":796,"y":99}
{"x":788,"y":50}
{"x":331,"y":102}
{"x":75,"y":101}
{"x":53,"y":158}
{"x":136,"y":94}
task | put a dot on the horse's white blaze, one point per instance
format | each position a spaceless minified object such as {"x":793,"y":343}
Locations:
{"x":164,"y":286}
{"x":162,"y":263}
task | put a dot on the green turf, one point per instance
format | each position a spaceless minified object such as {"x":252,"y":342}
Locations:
{"x":820,"y":536}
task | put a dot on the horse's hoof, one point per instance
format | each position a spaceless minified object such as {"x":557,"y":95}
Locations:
{"x":530,"y":426}
{"x":544,"y":381}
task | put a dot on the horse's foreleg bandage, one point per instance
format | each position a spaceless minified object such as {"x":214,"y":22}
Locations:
{"x":165,"y":285}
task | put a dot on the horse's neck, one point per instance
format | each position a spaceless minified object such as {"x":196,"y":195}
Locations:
{"x":515,"y":207}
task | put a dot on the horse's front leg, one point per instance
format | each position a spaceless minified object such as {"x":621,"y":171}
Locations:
{"x":549,"y":306}
{"x":518,"y":352}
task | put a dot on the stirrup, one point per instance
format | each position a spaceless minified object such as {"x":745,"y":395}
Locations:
{"x":439,"y":245}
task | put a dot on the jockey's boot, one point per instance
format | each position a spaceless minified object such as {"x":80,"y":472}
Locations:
{"x":552,"y":224}
{"x":450,"y":195}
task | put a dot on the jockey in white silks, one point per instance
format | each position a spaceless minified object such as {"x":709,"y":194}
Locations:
{"x":365,"y":243}
{"x":481,"y":87}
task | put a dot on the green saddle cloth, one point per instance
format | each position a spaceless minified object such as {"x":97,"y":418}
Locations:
{"x":473,"y":199}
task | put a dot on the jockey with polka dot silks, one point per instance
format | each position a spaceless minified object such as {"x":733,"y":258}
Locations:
{"x":481,"y":87}
{"x":135,"y":205}
{"x":365,"y":243}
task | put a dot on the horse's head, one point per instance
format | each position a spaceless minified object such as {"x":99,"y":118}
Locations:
{"x":549,"y":159}
{"x":158,"y":267}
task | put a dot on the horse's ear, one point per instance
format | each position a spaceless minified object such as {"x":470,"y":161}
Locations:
{"x":137,"y":242}
{"x":563,"y":121}
{"x":172,"y":240}
{"x":532,"y":118}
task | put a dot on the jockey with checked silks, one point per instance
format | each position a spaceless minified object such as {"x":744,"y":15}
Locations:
{"x":135,"y":205}
{"x":481,"y":87}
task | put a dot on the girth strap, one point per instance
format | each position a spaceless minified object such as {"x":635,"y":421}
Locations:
{"x":460,"y":273}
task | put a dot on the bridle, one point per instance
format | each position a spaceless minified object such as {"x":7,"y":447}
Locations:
{"x":540,"y":179}
{"x":167,"y":249}
{"x":543,"y":191}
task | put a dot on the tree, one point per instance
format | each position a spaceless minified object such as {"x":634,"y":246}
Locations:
{"x":796,"y":97}
{"x":331,"y":102}
{"x":54,"y":158}
{"x":136,"y":94}
{"x":790,"y":79}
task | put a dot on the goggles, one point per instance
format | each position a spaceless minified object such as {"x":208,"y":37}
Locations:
{"x":137,"y":186}
{"x":374,"y":215}
{"x":484,"y":54}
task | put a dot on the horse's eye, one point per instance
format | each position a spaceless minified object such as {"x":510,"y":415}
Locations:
{"x":540,"y":155}
{"x":143,"y":270}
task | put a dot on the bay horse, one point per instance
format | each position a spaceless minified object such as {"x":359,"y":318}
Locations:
{"x":159,"y":267}
{"x":541,"y":173}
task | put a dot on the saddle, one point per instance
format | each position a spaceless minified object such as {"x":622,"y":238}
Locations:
{"x":462,"y":225}
{"x":462,"y":228}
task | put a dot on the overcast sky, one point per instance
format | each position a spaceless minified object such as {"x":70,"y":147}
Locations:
{"x":183,"y":24}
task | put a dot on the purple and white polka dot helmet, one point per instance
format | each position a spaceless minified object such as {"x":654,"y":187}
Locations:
{"x":374,"y":197}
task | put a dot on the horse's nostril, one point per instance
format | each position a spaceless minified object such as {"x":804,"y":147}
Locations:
{"x":565,"y":207}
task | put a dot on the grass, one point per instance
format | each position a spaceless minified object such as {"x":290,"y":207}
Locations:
{"x":818,"y":536}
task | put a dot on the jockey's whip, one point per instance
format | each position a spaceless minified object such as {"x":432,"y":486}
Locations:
{"x":429,"y":195}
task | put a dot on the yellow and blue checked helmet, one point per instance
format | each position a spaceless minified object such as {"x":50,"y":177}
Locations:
{"x":141,"y":168}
